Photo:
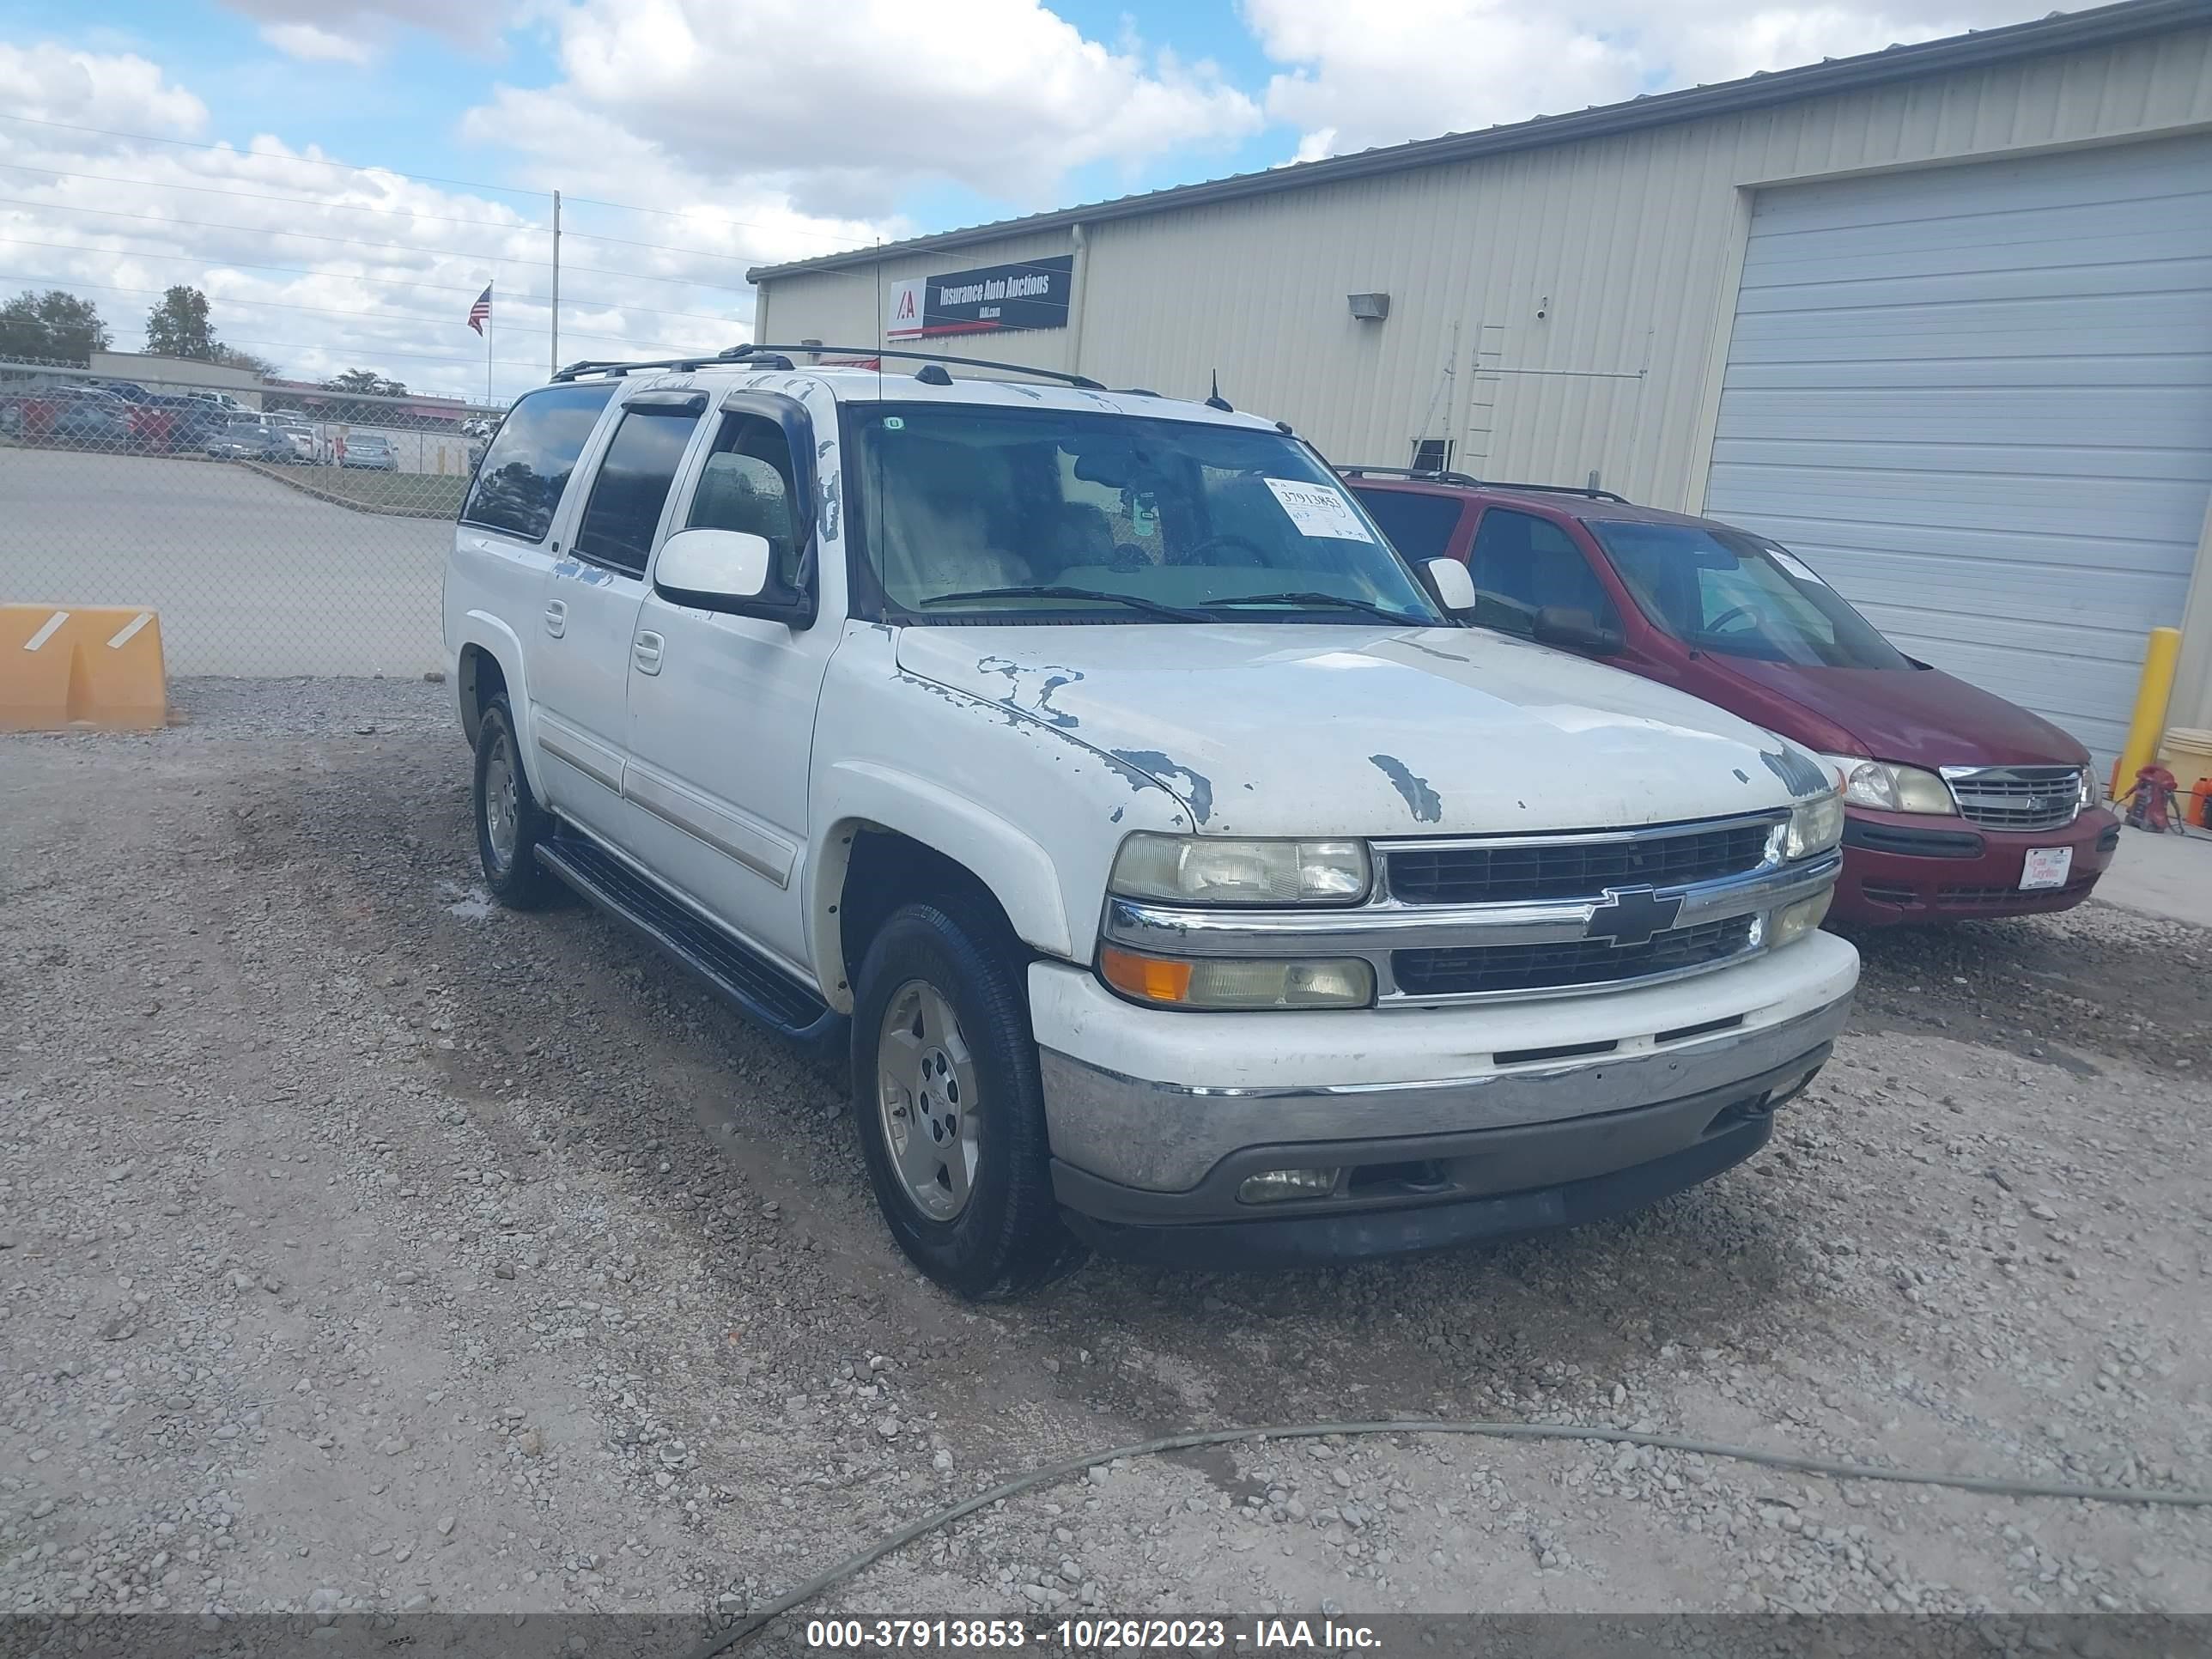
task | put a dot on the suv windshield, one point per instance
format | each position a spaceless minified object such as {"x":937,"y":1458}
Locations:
{"x":1057,"y":514}
{"x":1739,"y":595}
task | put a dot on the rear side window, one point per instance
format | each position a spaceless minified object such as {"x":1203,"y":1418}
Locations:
{"x":633,"y":486}
{"x":1522,"y":564}
{"x":1419,"y":526}
{"x":518,"y":484}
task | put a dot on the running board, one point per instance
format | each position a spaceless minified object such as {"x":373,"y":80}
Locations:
{"x":756,"y":986}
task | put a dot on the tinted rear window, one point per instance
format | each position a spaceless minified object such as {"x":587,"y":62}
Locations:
{"x":1419,"y":526}
{"x":527,"y":464}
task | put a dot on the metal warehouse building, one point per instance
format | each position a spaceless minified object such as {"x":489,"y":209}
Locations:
{"x":1939,"y":318}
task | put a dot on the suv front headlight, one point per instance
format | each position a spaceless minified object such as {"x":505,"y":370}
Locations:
{"x":1815,"y":825}
{"x":1892,"y":788}
{"x":1209,"y":870}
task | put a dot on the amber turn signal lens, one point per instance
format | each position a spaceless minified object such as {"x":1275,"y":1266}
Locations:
{"x":1149,"y":977}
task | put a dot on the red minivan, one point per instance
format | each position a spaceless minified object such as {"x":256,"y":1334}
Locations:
{"x":1959,"y":803}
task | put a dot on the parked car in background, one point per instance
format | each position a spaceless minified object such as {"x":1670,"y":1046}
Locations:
{"x":299,"y":442}
{"x":192,"y":421}
{"x":1959,"y":803}
{"x":89,"y":415}
{"x":369,"y":449}
{"x":247,"y":438}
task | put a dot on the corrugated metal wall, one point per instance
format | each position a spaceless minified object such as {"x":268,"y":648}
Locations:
{"x":1628,"y":246}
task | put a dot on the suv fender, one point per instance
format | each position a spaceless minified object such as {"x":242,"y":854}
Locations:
{"x":1018,"y":871}
{"x":492,"y":637}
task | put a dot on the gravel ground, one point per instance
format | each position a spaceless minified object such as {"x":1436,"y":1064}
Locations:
{"x":366,"y":1248}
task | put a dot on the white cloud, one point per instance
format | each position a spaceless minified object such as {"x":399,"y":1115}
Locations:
{"x":849,"y":103}
{"x":369,"y":24}
{"x":376,"y":270}
{"x":53,"y":83}
{"x":315,"y":46}
{"x":1354,"y":77}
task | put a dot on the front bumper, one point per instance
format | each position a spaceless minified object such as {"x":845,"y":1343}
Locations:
{"x":1905,"y":867}
{"x":1450,"y":1123}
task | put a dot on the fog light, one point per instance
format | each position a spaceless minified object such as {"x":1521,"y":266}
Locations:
{"x":1794,"y":922}
{"x":1274,"y":1186}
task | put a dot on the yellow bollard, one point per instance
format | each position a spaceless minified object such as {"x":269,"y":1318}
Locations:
{"x":2152,"y":693}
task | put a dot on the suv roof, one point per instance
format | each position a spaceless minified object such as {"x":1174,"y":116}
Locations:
{"x":1567,"y":501}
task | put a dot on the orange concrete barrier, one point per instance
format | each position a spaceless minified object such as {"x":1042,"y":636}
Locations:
{"x":95,"y":665}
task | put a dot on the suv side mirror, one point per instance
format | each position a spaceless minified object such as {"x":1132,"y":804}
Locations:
{"x":722,"y":570}
{"x":1454,"y":587}
{"x":1573,"y":629}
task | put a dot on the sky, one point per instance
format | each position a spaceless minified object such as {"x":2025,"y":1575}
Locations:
{"x":342,"y":178}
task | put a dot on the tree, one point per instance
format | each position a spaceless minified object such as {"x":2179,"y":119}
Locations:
{"x":179,"y":326}
{"x":55,"y":326}
{"x":366,"y":382}
{"x":232,"y":357}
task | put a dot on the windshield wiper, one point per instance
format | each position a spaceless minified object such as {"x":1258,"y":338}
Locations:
{"x":1336,"y":601}
{"x":1047,"y":590}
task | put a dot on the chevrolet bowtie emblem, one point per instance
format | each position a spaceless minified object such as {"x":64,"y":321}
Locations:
{"x":1631,"y":915}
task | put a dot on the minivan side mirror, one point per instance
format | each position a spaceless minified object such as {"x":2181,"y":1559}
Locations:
{"x":1454,"y":587}
{"x":724,"y":570}
{"x":1575,"y":629}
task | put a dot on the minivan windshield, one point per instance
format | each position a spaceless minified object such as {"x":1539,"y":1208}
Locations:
{"x":1740,"y":595}
{"x":1051,"y":515}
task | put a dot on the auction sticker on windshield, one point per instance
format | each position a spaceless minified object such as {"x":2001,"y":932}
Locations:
{"x":1319,"y":510}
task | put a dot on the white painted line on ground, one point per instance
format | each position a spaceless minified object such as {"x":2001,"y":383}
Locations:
{"x":131,"y":630}
{"x":46,"y":633}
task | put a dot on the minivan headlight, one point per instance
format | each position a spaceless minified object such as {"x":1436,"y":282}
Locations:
{"x":1209,"y":870}
{"x":1892,"y":788}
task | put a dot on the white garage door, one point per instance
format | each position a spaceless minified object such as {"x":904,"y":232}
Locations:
{"x":1979,"y":399}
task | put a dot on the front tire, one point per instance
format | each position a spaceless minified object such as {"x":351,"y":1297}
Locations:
{"x":949,"y":1108}
{"x":510,"y":823}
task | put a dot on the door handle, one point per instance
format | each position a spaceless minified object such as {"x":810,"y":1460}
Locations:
{"x":556,"y":617}
{"x":645,"y":651}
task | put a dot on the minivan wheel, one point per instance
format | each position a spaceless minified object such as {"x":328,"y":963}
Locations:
{"x":951,"y":1112}
{"x":510,"y":822}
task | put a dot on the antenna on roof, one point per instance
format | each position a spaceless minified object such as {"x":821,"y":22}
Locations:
{"x":1216,"y":401}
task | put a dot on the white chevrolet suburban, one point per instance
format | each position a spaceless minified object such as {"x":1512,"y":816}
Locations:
{"x":1183,"y":878}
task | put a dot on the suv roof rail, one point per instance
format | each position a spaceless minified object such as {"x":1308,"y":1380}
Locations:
{"x":781,"y":356}
{"x":746,"y":353}
{"x":1424,"y":474}
{"x":1431,"y":475}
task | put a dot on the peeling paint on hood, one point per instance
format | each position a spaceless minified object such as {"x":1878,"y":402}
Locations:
{"x":1492,"y":734}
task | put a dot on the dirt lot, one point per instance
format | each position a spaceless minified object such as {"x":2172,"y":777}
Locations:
{"x":365,"y":1247}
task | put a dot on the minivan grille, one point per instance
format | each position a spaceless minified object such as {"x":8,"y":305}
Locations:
{"x":1499,"y":968}
{"x":1570,"y":868}
{"x":2016,"y":797}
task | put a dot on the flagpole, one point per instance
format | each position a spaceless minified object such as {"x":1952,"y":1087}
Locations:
{"x":488,"y":327}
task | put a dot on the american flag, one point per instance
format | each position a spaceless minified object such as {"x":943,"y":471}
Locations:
{"x":480,"y":312}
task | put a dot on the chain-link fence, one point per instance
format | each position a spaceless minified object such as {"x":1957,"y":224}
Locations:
{"x":276,"y":529}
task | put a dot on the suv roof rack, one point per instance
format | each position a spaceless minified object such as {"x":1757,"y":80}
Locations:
{"x":781,"y":356}
{"x":1424,"y":474}
{"x":751,"y":354}
{"x":1431,"y":475}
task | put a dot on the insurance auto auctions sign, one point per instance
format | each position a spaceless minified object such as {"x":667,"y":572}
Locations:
{"x":1032,"y":294}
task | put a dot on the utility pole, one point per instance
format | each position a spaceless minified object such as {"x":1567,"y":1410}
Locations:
{"x":556,"y":331}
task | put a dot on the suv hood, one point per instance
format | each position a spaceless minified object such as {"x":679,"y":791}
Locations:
{"x":1285,"y":729}
{"x":1916,"y":716}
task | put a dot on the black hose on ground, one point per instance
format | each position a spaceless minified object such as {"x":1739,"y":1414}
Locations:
{"x":1995,"y":1486}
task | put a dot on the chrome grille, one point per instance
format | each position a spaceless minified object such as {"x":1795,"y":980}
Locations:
{"x":1511,"y":871}
{"x":1498,"y":968}
{"x":2016,"y":797}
